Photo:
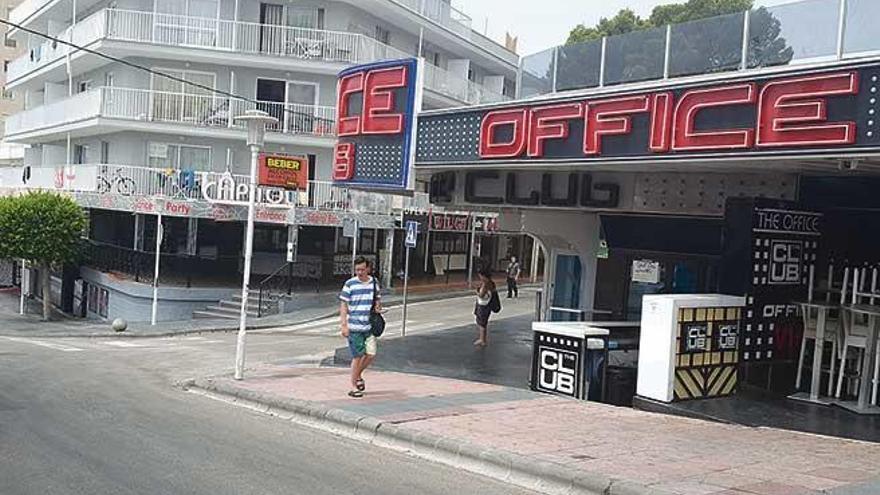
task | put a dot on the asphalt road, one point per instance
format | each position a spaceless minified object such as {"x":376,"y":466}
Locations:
{"x":97,"y":417}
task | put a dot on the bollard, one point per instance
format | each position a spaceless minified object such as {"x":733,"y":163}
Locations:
{"x":119,"y":325}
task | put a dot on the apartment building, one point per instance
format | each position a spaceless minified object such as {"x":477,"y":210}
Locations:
{"x":10,"y":50}
{"x":102,"y":119}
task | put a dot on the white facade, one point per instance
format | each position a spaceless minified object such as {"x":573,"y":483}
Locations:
{"x":279,"y":56}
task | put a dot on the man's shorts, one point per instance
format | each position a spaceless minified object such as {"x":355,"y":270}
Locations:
{"x":360,"y":343}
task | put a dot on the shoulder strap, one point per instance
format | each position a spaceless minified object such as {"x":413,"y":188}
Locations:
{"x":375,"y":290}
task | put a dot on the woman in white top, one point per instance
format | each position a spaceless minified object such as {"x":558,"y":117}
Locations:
{"x":482,"y":309}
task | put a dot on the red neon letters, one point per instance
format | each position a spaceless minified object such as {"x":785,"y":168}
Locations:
{"x":377,"y":116}
{"x":610,"y":118}
{"x":343,"y":161}
{"x":685,"y":137}
{"x":790,"y":112}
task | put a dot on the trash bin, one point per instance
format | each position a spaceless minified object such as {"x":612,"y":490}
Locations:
{"x":621,"y":386}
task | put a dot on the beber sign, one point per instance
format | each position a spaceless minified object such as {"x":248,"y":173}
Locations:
{"x":781,"y":114}
{"x":377,"y":106}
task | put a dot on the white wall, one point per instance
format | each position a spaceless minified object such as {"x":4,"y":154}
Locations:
{"x":131,"y":148}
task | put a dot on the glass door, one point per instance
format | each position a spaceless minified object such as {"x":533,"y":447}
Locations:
{"x":567,"y":288}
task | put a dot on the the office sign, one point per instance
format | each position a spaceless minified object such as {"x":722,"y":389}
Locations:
{"x":377,"y":106}
{"x":769,"y":247}
{"x":798,"y":113}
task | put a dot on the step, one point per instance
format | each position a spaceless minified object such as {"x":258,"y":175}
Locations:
{"x":204,"y":315}
{"x":253,"y":298}
{"x":251,"y":305}
{"x":232,"y":312}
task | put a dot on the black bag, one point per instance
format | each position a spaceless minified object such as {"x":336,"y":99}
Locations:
{"x":377,"y":321}
{"x":495,"y":302}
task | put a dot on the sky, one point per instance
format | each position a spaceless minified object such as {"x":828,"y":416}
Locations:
{"x":541,"y":24}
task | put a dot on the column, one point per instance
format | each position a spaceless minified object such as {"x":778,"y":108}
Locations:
{"x":388,"y":262}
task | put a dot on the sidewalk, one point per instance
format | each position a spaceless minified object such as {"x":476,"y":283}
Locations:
{"x":558,"y":445}
{"x":323,"y":306}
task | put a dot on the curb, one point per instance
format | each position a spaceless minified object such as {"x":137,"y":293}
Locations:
{"x":515,"y":469}
{"x":218,"y":329}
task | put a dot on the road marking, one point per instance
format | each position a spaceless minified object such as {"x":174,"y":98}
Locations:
{"x":122,"y":343}
{"x":49,"y":345}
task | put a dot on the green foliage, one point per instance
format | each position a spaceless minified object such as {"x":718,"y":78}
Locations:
{"x":40,"y":227}
{"x":627,"y":21}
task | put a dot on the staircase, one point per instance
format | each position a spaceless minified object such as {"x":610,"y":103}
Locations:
{"x":230,"y":309}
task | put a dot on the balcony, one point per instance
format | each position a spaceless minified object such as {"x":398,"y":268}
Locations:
{"x":197,"y":111}
{"x":336,"y":48}
{"x":186,"y":185}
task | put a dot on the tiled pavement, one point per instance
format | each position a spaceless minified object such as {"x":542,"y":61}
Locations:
{"x":678,"y":455}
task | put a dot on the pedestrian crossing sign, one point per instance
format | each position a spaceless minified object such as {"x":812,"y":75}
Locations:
{"x":412,"y":231}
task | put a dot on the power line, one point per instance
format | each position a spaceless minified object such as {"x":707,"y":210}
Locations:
{"x":132,"y":64}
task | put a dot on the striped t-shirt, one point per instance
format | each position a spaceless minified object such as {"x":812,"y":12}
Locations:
{"x":359,"y":297}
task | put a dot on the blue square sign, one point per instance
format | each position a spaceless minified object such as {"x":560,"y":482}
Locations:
{"x":412,"y":232}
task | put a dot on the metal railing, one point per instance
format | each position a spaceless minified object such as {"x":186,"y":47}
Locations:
{"x":805,"y":32}
{"x":239,"y":37}
{"x":186,"y":184}
{"x":197,"y":110}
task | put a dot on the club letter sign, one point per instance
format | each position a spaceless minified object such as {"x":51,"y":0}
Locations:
{"x":377,"y":106}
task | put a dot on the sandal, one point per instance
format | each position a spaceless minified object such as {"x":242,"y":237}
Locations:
{"x":355,"y":394}
{"x":361,"y":385}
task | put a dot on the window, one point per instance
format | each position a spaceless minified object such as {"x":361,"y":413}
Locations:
{"x":83,"y":86}
{"x":6,"y":66}
{"x":79,"y":154}
{"x":9,"y":42}
{"x":174,"y":101}
{"x":179,"y":157}
{"x":302,"y":17}
{"x":8,"y":95}
{"x":105,"y":152}
{"x":383,"y":35}
{"x":175,"y":26}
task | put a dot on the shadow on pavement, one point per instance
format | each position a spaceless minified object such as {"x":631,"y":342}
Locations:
{"x":451,"y":353}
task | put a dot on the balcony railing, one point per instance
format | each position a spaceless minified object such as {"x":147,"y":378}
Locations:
{"x":239,"y":37}
{"x":809,"y":31}
{"x":186,"y":184}
{"x":196,"y":110}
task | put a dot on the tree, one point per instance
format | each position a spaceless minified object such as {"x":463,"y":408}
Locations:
{"x":44,"y":229}
{"x":627,"y":21}
{"x":709,"y":46}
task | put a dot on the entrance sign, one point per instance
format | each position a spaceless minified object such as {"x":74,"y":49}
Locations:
{"x":377,"y":106}
{"x":779,"y":242}
{"x":646,"y":271}
{"x":819,"y":112}
{"x":288,"y":172}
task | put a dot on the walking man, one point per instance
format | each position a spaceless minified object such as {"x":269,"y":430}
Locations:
{"x":357,"y":298}
{"x":513,"y":271}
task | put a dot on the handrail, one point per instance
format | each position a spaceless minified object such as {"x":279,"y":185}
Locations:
{"x":263,"y":284}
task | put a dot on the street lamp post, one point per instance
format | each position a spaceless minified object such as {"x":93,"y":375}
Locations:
{"x":256,"y":121}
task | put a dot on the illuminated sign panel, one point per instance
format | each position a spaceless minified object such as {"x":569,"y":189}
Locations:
{"x":377,"y":106}
{"x":783,"y":114}
{"x":289,"y":172}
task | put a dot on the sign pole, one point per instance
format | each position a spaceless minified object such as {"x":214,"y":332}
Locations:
{"x":471,"y":251}
{"x":159,"y":234}
{"x":21,"y":280}
{"x":412,"y":234}
{"x":354,"y":245}
{"x":405,"y":291}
